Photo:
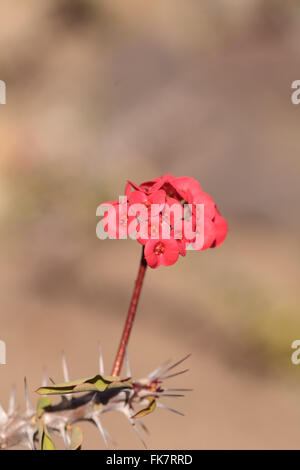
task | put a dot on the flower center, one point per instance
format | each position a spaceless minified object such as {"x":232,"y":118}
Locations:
{"x":159,"y":248}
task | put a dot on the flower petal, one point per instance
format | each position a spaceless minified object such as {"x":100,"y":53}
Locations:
{"x":151,"y":257}
{"x":187,"y":187}
{"x":137,"y":197}
{"x":171,"y":253}
{"x":221,"y":230}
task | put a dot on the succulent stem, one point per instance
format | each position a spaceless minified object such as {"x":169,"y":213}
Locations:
{"x":130,"y":317}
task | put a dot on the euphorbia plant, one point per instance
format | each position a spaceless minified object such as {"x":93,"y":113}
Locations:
{"x":167,"y":216}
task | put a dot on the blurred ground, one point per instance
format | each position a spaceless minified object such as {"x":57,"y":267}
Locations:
{"x":99,"y":92}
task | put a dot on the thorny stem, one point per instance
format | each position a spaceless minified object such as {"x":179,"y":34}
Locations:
{"x":130,"y":317}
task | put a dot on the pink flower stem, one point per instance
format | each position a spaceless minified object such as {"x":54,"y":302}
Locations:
{"x":130,"y":317}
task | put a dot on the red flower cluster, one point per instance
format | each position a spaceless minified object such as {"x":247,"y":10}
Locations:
{"x":167,"y":215}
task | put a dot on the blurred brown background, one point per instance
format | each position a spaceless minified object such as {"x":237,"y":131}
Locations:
{"x":102,"y":91}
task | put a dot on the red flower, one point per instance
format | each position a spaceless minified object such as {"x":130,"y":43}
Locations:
{"x":155,"y":200}
{"x":161,"y":252}
{"x":169,"y":215}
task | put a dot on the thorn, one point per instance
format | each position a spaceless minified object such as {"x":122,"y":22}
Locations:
{"x":109,"y":436}
{"x":165,"y":407}
{"x":175,"y":395}
{"x":128,"y":370}
{"x":160,"y":394}
{"x":127,"y":412}
{"x":175,"y":365}
{"x":143,"y":426}
{"x":12,"y":401}
{"x":154,"y":374}
{"x":99,"y":426}
{"x":65,"y":368}
{"x":27,"y":401}
{"x":177,"y":390}
{"x":136,"y":431}
{"x":65,"y":374}
{"x":3,"y":416}
{"x":101,"y":363}
{"x":51,"y":380}
{"x":44,"y":377}
{"x":174,"y":375}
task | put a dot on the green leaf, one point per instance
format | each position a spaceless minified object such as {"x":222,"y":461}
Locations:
{"x":93,"y":384}
{"x":44,"y":438}
{"x":145,"y":411}
{"x":76,"y":438}
{"x":43,"y":403}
